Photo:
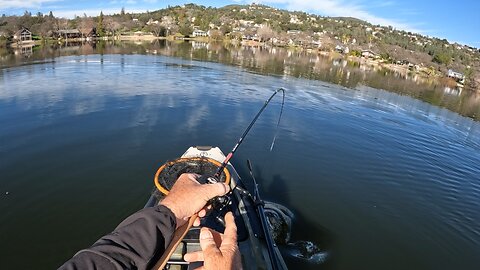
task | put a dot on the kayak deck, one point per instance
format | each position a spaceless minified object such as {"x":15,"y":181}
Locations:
{"x":251,"y":241}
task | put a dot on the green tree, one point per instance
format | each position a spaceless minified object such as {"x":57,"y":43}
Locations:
{"x":185,"y":28}
{"x":442,"y":58}
{"x":100,"y":26}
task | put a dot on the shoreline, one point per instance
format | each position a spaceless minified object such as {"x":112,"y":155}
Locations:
{"x":425,"y":73}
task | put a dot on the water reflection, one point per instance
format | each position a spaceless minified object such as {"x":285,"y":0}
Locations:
{"x":272,"y":61}
{"x":100,"y":124}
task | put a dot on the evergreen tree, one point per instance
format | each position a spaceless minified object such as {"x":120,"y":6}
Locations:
{"x":100,"y":28}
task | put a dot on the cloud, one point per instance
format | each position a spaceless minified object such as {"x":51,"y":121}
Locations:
{"x":341,"y":8}
{"x":6,"y":4}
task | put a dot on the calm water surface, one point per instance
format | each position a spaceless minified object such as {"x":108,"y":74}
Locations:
{"x":377,"y":179}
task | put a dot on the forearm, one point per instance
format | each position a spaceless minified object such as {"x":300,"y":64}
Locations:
{"x":132,"y":245}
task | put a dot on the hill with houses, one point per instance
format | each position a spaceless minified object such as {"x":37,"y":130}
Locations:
{"x":266,"y":26}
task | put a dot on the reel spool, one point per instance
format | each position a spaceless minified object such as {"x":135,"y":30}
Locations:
{"x":168,"y":173}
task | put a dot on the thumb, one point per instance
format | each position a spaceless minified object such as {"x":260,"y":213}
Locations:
{"x":207,"y":243}
{"x":214,"y":190}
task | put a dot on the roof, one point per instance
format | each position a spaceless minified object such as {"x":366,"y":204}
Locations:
{"x":22,"y":30}
{"x":68,"y":31}
{"x":368,"y":51}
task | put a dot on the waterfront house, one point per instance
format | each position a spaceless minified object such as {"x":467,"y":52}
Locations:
{"x":341,"y":49}
{"x":23,"y":35}
{"x":90,"y":33}
{"x":199,"y":33}
{"x":369,"y":54}
{"x":294,"y":32}
{"x":68,"y":33}
{"x":457,"y":76}
{"x":151,"y":21}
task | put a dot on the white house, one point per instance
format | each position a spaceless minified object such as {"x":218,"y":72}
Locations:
{"x":369,"y":54}
{"x":456,"y":75}
{"x":23,"y":35}
{"x":199,"y":33}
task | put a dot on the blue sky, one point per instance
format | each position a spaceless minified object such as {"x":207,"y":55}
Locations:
{"x":457,"y":21}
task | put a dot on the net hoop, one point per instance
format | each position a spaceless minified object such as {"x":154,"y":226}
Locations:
{"x":170,"y":163}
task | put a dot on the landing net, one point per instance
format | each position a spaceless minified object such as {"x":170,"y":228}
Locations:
{"x":169,"y":172}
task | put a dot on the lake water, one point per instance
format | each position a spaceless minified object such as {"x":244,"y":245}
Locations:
{"x":378,"y":180}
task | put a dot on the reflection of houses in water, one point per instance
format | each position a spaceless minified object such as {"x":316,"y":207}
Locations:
{"x":453,"y":91}
{"x":340,"y":63}
{"x":151,"y":51}
{"x":25,"y":50}
{"x":200,"y":45}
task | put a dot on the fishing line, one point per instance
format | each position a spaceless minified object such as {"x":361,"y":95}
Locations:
{"x":214,"y":178}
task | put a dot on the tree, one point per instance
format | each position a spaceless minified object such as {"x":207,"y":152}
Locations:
{"x":112,"y":25}
{"x":265,"y":32}
{"x":100,"y":27}
{"x":216,"y":35}
{"x":442,"y":58}
{"x":86,"y":25}
{"x":158,"y":30}
{"x":185,"y":28}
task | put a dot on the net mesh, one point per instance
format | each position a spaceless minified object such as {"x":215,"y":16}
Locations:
{"x":173,"y":169}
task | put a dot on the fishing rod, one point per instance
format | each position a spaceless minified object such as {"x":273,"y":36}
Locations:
{"x":259,"y":205}
{"x":215,"y":178}
{"x":223,"y":201}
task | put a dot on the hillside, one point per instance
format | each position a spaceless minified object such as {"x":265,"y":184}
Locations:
{"x":274,"y":27}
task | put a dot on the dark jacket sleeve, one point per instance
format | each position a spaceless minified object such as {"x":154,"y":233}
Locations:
{"x":139,"y":238}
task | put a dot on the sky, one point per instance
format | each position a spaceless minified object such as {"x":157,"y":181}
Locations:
{"x":457,"y":21}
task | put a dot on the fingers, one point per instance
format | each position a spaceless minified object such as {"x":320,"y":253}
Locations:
{"x":196,"y":256}
{"x":230,"y":234}
{"x":192,"y":176}
{"x":214,"y":190}
{"x":197,"y":222}
{"x":207,"y":243}
{"x":202,"y":212}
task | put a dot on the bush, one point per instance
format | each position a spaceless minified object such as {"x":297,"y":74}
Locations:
{"x":442,"y":58}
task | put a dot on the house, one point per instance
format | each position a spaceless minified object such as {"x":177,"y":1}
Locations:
{"x":369,"y":54}
{"x":199,"y":33}
{"x":69,"y":33}
{"x":341,"y":49}
{"x":23,"y":35}
{"x":151,"y":21}
{"x":88,"y":33}
{"x":459,"y":77}
{"x":294,"y":32}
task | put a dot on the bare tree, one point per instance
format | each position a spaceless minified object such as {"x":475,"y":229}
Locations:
{"x":216,"y":34}
{"x":86,"y":25}
{"x":157,"y":29}
{"x":112,"y":25}
{"x":169,"y":24}
{"x":265,"y":32}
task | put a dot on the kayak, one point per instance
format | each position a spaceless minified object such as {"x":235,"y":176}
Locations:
{"x":255,"y":249}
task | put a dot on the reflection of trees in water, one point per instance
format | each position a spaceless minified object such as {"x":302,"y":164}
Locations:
{"x":275,"y":61}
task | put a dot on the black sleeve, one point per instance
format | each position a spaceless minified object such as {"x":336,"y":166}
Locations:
{"x":139,"y":238}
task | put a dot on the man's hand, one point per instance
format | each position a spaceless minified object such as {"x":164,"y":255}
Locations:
{"x":219,"y":251}
{"x":188,"y":197}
